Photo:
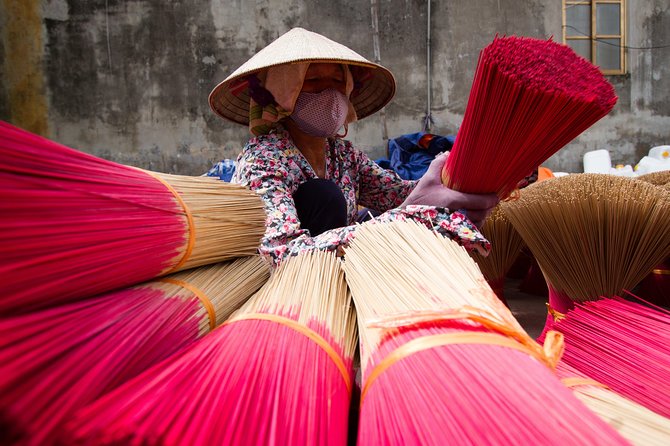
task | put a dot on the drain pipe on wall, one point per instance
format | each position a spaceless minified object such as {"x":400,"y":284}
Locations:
{"x":428,"y":118}
{"x":374,"y":9}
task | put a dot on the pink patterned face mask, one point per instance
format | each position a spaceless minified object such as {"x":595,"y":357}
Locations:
{"x":320,"y":114}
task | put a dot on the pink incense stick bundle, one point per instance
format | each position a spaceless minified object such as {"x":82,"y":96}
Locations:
{"x":75,"y":225}
{"x":278,"y":372}
{"x":444,"y":360}
{"x":529,"y":98}
{"x":58,"y":360}
{"x":637,"y":424}
{"x":622,"y":344}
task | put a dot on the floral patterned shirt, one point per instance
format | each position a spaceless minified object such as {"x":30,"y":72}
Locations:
{"x":274,"y":167}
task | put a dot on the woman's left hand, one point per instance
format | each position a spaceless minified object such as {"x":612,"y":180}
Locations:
{"x":431,"y":192}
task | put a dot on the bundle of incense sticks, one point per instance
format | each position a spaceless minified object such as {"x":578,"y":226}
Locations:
{"x":75,"y":225}
{"x":529,"y":98}
{"x":278,"y":372}
{"x":58,"y":360}
{"x":443,"y":359}
{"x":506,"y":244}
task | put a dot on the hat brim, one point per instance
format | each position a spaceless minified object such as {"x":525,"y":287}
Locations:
{"x":367,"y":98}
{"x":374,"y":85}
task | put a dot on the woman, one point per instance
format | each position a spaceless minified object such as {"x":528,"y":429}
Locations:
{"x":296,"y":95}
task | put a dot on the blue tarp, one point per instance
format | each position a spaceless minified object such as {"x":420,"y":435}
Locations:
{"x":410,"y":156}
{"x":222,"y":170}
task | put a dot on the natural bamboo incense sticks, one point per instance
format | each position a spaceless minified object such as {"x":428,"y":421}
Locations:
{"x":593,"y":235}
{"x":637,"y":424}
{"x":506,"y":244}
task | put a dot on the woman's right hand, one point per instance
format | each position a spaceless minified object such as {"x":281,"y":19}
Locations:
{"x":431,"y":192}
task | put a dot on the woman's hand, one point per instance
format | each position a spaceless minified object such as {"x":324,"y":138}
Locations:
{"x":431,"y":192}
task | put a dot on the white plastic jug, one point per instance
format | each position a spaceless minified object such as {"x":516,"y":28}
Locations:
{"x":660,"y":152}
{"x":648,"y":165}
{"x":597,"y":161}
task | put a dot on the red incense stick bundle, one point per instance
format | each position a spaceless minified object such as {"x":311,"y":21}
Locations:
{"x":529,"y":98}
{"x":278,"y":372}
{"x":75,"y":225}
{"x":58,"y":360}
{"x":443,"y":359}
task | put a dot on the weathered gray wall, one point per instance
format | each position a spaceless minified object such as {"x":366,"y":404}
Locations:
{"x":128,"y":79}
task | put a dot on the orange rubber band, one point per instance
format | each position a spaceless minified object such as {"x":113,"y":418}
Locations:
{"x":663,"y":272}
{"x":439,"y":340}
{"x":513,"y":196}
{"x":550,"y":353}
{"x":576,"y":381}
{"x":204,"y":300}
{"x":300,"y":328}
{"x":189,"y":219}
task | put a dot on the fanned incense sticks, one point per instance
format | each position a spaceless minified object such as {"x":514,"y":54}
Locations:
{"x":593,"y":235}
{"x":529,"y":98}
{"x":443,"y":359}
{"x":58,"y":360}
{"x":656,"y":178}
{"x":506,"y":244}
{"x":656,"y":286}
{"x":75,"y":225}
{"x":278,"y":372}
{"x":637,"y":424}
{"x":623,"y":345}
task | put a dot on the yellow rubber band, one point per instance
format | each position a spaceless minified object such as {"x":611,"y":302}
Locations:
{"x":189,"y":219}
{"x":663,"y":272}
{"x":308,"y":332}
{"x":204,"y":300}
{"x":555,"y":314}
{"x":576,"y":381}
{"x":439,"y":340}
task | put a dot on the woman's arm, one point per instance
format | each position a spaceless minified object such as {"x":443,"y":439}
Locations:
{"x":378,"y":188}
{"x":266,"y":170}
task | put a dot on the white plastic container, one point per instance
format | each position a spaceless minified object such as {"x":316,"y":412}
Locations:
{"x":648,"y":165}
{"x":597,"y":161}
{"x":660,"y":152}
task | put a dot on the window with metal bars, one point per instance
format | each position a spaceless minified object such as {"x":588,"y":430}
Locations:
{"x":595,"y":29}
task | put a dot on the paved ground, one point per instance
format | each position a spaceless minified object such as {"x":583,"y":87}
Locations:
{"x":529,"y":309}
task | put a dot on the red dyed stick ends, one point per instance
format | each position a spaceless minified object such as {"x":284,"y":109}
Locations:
{"x":278,"y":372}
{"x":74,"y":225}
{"x":529,"y":98}
{"x":58,"y":360}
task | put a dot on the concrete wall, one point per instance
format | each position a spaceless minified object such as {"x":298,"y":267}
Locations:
{"x":128,"y":80}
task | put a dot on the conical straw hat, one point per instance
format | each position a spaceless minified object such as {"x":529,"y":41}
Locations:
{"x":230,"y":98}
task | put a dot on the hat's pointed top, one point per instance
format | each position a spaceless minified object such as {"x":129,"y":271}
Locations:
{"x":371,"y":92}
